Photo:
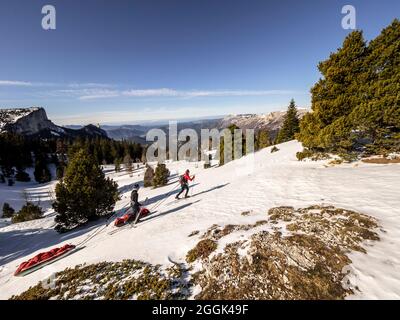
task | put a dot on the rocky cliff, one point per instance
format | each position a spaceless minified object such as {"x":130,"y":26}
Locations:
{"x":34,"y":122}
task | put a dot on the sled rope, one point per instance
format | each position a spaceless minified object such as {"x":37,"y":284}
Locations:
{"x":100,"y":228}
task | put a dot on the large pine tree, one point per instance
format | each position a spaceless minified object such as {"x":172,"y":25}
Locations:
{"x":290,"y":124}
{"x":335,"y":96}
{"x":377,"y":119}
{"x":356,"y":103}
{"x":84,"y":193}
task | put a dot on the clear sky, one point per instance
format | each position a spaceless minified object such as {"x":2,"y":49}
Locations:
{"x":122,"y":61}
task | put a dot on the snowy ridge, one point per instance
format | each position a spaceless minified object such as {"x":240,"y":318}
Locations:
{"x":11,"y":116}
{"x":269,"y":121}
{"x":34,"y":122}
{"x":254,"y":183}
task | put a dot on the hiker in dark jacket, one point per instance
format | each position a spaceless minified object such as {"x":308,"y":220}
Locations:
{"x":184,"y":181}
{"x":135,"y":204}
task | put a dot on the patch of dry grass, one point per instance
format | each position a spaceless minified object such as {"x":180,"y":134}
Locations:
{"x":129,"y":279}
{"x":202,"y":250}
{"x":217,"y":232}
{"x":307,"y":263}
{"x":381,"y":160}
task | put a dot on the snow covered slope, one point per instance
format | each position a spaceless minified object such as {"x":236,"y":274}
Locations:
{"x":220,"y":194}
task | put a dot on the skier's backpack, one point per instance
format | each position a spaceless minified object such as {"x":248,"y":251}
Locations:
{"x":182,"y":179}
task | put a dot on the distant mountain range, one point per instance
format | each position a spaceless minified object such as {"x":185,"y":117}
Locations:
{"x":270,"y":121}
{"x":34,"y":122}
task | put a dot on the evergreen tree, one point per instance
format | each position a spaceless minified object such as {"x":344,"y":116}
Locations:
{"x":161,"y":175}
{"x":8,"y":211}
{"x":290,"y":124}
{"x":356,"y":103}
{"x":148,"y":176}
{"x":117,"y":164}
{"x":28,"y":212}
{"x":41,"y":173}
{"x":84,"y":193}
{"x":377,"y":119}
{"x":222,"y":146}
{"x":60,"y":170}
{"x":335,"y":96}
{"x":263,"y":140}
{"x":22,"y":176}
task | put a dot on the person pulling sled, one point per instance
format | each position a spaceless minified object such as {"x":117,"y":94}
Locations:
{"x":184,"y":181}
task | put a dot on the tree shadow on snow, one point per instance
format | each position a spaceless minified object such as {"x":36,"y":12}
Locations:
{"x":164,"y":213}
{"x":160,"y":197}
{"x":16,"y":244}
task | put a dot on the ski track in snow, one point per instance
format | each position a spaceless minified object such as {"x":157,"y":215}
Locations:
{"x":220,"y":195}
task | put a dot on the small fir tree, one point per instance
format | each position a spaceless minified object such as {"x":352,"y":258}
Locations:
{"x":84,"y":194}
{"x":290,"y":124}
{"x":148,"y":176}
{"x":8,"y":211}
{"x":161,"y":175}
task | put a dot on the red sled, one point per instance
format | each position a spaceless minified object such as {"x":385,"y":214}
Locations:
{"x":129,"y":217}
{"x":44,"y":258}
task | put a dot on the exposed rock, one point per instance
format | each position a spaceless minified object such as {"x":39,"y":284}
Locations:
{"x":33,"y":122}
{"x":271,"y":122}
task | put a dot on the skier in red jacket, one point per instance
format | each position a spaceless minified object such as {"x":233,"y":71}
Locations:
{"x":184,"y":181}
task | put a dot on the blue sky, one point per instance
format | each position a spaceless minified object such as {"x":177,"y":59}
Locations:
{"x":124,"y":61}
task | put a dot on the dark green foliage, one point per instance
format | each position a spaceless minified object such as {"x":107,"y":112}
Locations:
{"x":377,"y":119}
{"x":28,"y":212}
{"x":356,"y":102}
{"x":304,"y":154}
{"x":41,"y":173}
{"x":161,"y":175}
{"x":148,"y":177}
{"x":60,"y":170}
{"x":106,"y":151}
{"x":222,"y":146}
{"x":2,"y":178}
{"x":84,"y":193}
{"x":22,"y":176}
{"x":263,"y":140}
{"x":8,"y":211}
{"x":15,"y":151}
{"x":290,"y":124}
{"x":117,"y":164}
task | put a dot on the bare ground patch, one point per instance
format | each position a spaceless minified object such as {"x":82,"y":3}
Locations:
{"x":129,"y":279}
{"x":292,"y":254}
{"x":382,"y":160}
{"x":302,"y":259}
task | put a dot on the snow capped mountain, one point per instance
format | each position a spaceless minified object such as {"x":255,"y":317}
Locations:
{"x":34,"y":122}
{"x":269,"y":121}
{"x":26,"y":121}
